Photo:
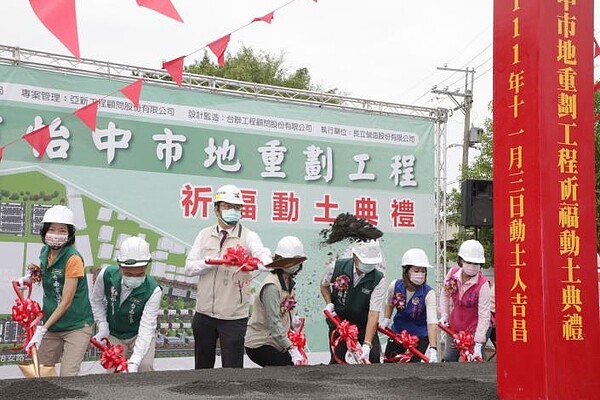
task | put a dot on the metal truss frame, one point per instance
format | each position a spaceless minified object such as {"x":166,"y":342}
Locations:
{"x":89,"y":67}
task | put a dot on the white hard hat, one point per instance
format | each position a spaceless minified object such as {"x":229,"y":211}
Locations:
{"x":368,"y":252}
{"x":60,"y":215}
{"x":134,"y":252}
{"x":229,"y":194}
{"x":290,"y":246}
{"x":471,"y":251}
{"x":598,"y":261}
{"x":415,"y":258}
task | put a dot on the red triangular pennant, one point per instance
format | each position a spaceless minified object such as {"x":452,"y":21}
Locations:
{"x":60,"y":18}
{"x":132,"y":92}
{"x":165,"y":7}
{"x":1,"y":152}
{"x":596,"y":48}
{"x":266,"y":18}
{"x":597,"y":117}
{"x":175,"y":69}
{"x":39,"y":140}
{"x":87,"y":114}
{"x":218,"y":47}
{"x":597,"y":86}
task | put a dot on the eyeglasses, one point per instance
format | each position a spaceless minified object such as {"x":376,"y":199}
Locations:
{"x":229,"y":206}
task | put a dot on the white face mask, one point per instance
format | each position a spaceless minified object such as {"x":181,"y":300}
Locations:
{"x":56,"y":240}
{"x":133,"y":282}
{"x":366,"y":268}
{"x":294,"y":269}
{"x":417,"y":278}
{"x":471,"y":269}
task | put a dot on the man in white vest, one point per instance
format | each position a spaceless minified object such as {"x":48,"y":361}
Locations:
{"x":222,"y":300}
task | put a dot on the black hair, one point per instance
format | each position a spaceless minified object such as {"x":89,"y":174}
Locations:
{"x":70,"y":228}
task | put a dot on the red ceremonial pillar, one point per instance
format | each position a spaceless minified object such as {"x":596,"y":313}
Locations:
{"x":548,"y":326}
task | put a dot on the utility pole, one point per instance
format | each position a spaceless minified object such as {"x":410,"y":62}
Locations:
{"x":465,"y":107}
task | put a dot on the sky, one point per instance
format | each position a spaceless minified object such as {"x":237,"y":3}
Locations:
{"x":387,"y":50}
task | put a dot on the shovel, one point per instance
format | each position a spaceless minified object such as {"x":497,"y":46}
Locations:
{"x":34,"y":369}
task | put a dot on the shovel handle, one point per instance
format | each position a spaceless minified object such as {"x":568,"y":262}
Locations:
{"x":34,"y":359}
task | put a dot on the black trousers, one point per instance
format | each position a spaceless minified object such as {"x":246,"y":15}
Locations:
{"x":392,"y":348}
{"x":230,"y":334}
{"x":340,"y":352}
{"x":269,"y":355}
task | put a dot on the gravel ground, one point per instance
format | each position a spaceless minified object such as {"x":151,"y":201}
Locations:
{"x":469,"y":381}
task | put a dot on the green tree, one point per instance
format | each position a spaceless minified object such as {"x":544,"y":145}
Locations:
{"x":249,"y":66}
{"x":480,"y":168}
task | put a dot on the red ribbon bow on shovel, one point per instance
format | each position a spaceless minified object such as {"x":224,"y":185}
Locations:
{"x":464,"y":342}
{"x":298,"y":339}
{"x":237,"y":256}
{"x":406,"y":340}
{"x":111,"y":356}
{"x":348,"y":333}
{"x":26,"y":312}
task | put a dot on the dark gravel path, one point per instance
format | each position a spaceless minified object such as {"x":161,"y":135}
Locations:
{"x":469,"y":381}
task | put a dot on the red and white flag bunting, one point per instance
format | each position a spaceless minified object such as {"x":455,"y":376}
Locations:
{"x":218,"y":47}
{"x":165,"y":7}
{"x":39,"y":140}
{"x":175,"y":69}
{"x":133,"y":91}
{"x":266,"y":18}
{"x":60,"y":18}
{"x":88,"y":114}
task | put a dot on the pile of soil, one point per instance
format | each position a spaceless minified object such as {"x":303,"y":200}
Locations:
{"x":347,"y":227}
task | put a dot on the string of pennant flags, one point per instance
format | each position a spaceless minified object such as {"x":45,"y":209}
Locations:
{"x":39,"y":139}
{"x":59,"y":16}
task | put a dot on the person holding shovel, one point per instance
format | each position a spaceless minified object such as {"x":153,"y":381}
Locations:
{"x":415,"y":304}
{"x":354,"y":289}
{"x":469,"y":293}
{"x":222,"y":301}
{"x":67,"y":323}
{"x":126,"y":302}
{"x":267,"y":341}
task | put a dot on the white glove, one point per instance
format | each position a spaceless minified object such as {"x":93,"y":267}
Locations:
{"x":132,"y":367}
{"x":36,"y":340}
{"x":330,"y":307}
{"x":477,"y":351}
{"x":365,"y":351}
{"x":385,"y":323}
{"x":297,"y":358}
{"x":296,"y":322}
{"x":431,"y":353}
{"x":23,"y":280}
{"x":444,"y":320}
{"x":103,"y":331}
{"x":262,"y":268}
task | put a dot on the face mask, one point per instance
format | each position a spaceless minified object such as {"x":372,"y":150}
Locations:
{"x":294,"y":269}
{"x":471,"y":269}
{"x":417,"y":278}
{"x":133,"y":281}
{"x":366,"y":268}
{"x":56,"y":240}
{"x":231,"y":217}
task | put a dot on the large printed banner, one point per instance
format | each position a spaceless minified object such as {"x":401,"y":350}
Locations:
{"x":544,"y":210}
{"x":151,"y":170}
